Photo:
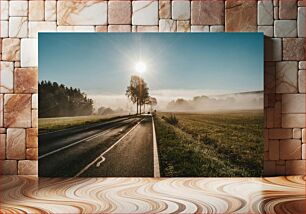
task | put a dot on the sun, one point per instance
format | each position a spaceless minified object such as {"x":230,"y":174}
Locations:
{"x":140,"y":67}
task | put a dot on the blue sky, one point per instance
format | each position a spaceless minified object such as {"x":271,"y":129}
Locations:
{"x":102,"y":63}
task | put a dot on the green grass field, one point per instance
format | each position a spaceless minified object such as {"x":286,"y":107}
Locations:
{"x":57,"y":123}
{"x":213,"y":144}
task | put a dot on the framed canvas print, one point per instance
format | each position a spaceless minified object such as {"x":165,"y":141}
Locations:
{"x":150,"y":104}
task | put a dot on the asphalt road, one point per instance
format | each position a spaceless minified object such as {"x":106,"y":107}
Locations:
{"x":121,"y":147}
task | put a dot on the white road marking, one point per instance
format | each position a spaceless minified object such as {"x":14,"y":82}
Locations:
{"x":155,"y":153}
{"x":106,"y":151}
{"x":101,"y":161}
{"x":75,"y":143}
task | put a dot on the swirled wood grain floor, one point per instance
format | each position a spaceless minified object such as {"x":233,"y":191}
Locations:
{"x":139,"y":195}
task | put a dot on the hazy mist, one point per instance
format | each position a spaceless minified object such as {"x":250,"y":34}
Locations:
{"x":187,"y":101}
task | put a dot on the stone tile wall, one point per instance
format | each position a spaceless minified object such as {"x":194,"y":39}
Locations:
{"x":282,"y":21}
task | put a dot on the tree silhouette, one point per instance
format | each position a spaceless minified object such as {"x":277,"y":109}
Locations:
{"x":60,"y":101}
{"x":137,"y":92}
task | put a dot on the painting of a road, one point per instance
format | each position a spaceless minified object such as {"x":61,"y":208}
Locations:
{"x":150,"y":104}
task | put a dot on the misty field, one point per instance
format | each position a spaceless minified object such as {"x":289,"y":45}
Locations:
{"x":57,"y":123}
{"x":213,"y":144}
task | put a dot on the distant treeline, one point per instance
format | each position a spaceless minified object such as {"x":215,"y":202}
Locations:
{"x":57,"y":100}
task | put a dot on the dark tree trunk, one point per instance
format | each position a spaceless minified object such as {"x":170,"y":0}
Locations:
{"x":137,"y":106}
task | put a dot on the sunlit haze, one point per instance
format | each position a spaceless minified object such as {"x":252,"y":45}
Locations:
{"x":173,"y":65}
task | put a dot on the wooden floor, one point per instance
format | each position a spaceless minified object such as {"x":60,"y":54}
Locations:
{"x":139,"y":195}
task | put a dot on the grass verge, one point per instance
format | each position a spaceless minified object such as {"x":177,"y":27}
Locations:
{"x":58,"y":123}
{"x":223,"y":144}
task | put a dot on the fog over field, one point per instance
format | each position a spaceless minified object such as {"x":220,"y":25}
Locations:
{"x":187,"y":100}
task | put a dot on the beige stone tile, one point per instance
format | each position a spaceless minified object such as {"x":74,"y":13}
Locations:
{"x":4,"y":29}
{"x":28,"y":167}
{"x":266,"y":156}
{"x":119,"y":28}
{"x":75,"y":29}
{"x":304,"y":151}
{"x":304,"y":135}
{"x":267,"y":30}
{"x":34,"y":101}
{"x":270,"y":100}
{"x":4,"y":9}
{"x":134,"y":28}
{"x":36,"y":10}
{"x":34,"y":118}
{"x":295,"y":167}
{"x":275,"y":13}
{"x":29,"y":52}
{"x":269,"y":77}
{"x":6,"y":77}
{"x":17,"y":64}
{"x":280,"y":133}
{"x":286,"y":77}
{"x":164,"y":9}
{"x":207,"y":12}
{"x":2,"y":130}
{"x":89,"y":12}
{"x":18,"y":27}
{"x":183,"y":26}
{"x":8,"y":167}
{"x":280,"y":170}
{"x":199,"y":28}
{"x":2,"y":146}
{"x":301,"y":21}
{"x":301,"y":81}
{"x":32,"y":154}
{"x":167,"y":25}
{"x":293,"y":103}
{"x":273,"y":150}
{"x":11,"y":49}
{"x":287,"y":9}
{"x":18,"y":8}
{"x":40,"y":26}
{"x":285,"y":28}
{"x":293,"y":120}
{"x":216,"y":28}
{"x":26,"y":80}
{"x":239,"y":15}
{"x":269,"y":168}
{"x":180,"y":10}
{"x":301,"y":3}
{"x":293,"y":49}
{"x":269,"y":117}
{"x":302,"y":65}
{"x":273,"y":49}
{"x":50,"y":10}
{"x":119,"y":12}
{"x":278,"y":114}
{"x":145,"y":13}
{"x":265,"y":12}
{"x":147,"y":28}
{"x":15,"y":143}
{"x":101,"y":28}
{"x":17,"y":110}
{"x":290,"y":149}
{"x":297,"y":133}
{"x":32,"y":138}
{"x":1,"y":111}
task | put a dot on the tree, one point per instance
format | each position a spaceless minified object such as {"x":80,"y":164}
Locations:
{"x":57,"y":100}
{"x":137,"y":92}
{"x":131,"y":91}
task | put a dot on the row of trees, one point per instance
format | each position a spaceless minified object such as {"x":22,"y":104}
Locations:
{"x":138,"y":93}
{"x":60,"y":101}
